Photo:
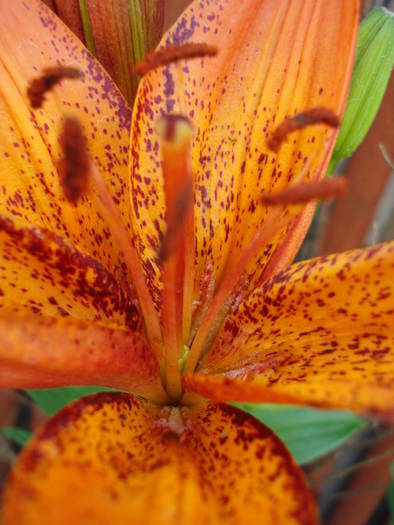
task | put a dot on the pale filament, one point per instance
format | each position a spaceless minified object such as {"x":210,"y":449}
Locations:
{"x":278,"y":219}
{"x":113,"y":219}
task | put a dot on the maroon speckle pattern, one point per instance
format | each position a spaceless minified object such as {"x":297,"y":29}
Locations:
{"x":234,"y":103}
{"x":30,"y":189}
{"x":41,"y":274}
{"x":229,"y":469}
{"x":320,"y":332}
{"x":60,"y":270}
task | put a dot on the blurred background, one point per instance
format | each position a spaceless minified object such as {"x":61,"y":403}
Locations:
{"x":353,"y":482}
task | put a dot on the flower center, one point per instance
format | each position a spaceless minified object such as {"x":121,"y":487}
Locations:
{"x":178,"y":335}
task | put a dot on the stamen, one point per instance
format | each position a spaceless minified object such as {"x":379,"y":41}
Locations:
{"x":276,"y":222}
{"x":113,"y":219}
{"x":300,"y":121}
{"x":51,"y":76}
{"x":303,"y":193}
{"x":173,"y":53}
{"x":175,"y":132}
{"x":278,"y":219}
{"x":78,"y":168}
{"x":74,"y":167}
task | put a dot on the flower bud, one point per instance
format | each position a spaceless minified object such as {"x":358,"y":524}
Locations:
{"x":373,"y":65}
{"x":118,"y":32}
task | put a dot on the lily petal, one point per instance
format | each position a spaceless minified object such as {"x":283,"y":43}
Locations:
{"x":275,"y":59}
{"x":113,"y":450}
{"x":32,"y":38}
{"x":43,"y":352}
{"x":41,"y":274}
{"x":319,"y":333}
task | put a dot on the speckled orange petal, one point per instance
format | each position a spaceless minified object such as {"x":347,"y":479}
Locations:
{"x":111,"y":452}
{"x":41,"y":274}
{"x":43,"y":352}
{"x":274,"y":59}
{"x":320,"y":333}
{"x":32,"y":38}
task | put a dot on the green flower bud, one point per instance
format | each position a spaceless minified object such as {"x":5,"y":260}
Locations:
{"x":119,"y":33}
{"x":373,"y":65}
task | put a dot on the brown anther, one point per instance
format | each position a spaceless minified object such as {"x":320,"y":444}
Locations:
{"x":300,"y":121}
{"x":74,"y":167}
{"x":303,"y":193}
{"x":172,"y":53}
{"x":51,"y":76}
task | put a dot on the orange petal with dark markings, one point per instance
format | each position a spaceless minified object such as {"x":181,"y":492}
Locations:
{"x":32,"y":38}
{"x":117,"y":453}
{"x":275,"y":59}
{"x":44,"y":352}
{"x":41,"y":274}
{"x":320,"y":333}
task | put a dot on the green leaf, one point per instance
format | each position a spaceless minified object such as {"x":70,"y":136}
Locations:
{"x":390,"y":495}
{"x":137,"y":30}
{"x":87,"y":26}
{"x":19,"y":435}
{"x":307,"y":432}
{"x":53,"y":399}
{"x":372,"y":69}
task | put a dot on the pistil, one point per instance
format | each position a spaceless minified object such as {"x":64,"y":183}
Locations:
{"x":175,"y":132}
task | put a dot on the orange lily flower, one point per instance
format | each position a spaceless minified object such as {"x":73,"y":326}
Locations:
{"x":133,"y":286}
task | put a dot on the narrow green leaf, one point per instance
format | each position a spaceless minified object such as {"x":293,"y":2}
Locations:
{"x":53,"y":399}
{"x":307,"y":432}
{"x":372,"y":69}
{"x":390,"y":495}
{"x":87,"y":26}
{"x":137,"y":30}
{"x":19,"y":435}
{"x":146,"y":21}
